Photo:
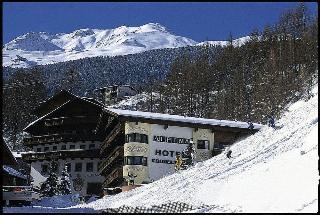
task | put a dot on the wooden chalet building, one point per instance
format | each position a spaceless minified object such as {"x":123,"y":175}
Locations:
{"x":145,"y":144}
{"x":102,"y":146}
{"x":65,"y":132}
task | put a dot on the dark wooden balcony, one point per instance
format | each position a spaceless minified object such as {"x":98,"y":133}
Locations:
{"x":115,"y":175}
{"x":118,"y":129}
{"x":77,"y":153}
{"x":116,"y":153}
{"x":62,"y":137}
{"x":74,"y":120}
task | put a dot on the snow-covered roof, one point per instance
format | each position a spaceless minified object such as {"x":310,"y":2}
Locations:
{"x":89,"y":100}
{"x":32,"y":123}
{"x":13,"y":172}
{"x":177,"y":118}
{"x":17,"y":154}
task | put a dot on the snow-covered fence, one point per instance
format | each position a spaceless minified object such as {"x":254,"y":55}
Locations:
{"x":171,"y":207}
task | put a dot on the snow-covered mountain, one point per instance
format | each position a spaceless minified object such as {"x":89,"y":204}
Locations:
{"x":44,"y":48}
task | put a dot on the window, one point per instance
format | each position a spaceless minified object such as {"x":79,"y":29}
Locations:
{"x":135,"y":160}
{"x":44,"y":168}
{"x":89,"y":167}
{"x":54,"y":148}
{"x":135,"y":137}
{"x":72,"y":147}
{"x":68,"y":165}
{"x":219,"y":145}
{"x":144,"y":138}
{"x":38,"y":149}
{"x":78,"y":167}
{"x":203,"y":144}
{"x":63,"y":147}
{"x":91,"y":146}
{"x":144,"y":161}
{"x":82,"y":146}
{"x":46,"y":149}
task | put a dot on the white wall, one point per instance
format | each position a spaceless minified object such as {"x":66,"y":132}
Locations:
{"x":158,"y":170}
{"x":86,"y":176}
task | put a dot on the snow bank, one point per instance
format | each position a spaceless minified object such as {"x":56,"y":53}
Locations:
{"x":55,"y":204}
{"x":62,"y":201}
{"x":271,"y":171}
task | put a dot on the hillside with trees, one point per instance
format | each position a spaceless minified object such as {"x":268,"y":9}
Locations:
{"x":248,"y":82}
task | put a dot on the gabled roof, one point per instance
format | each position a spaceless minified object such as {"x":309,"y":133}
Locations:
{"x":71,"y":97}
{"x":60,"y":97}
{"x":11,"y":171}
{"x":180,"y":119}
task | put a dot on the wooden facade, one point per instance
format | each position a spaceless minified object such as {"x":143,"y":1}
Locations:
{"x":65,"y":119}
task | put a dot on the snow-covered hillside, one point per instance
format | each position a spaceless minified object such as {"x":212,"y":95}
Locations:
{"x":271,"y":171}
{"x":45,"y":48}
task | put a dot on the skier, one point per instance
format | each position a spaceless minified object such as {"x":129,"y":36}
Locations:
{"x":188,"y":153}
{"x":271,"y":122}
{"x":250,"y":126}
{"x":229,"y":154}
{"x":178,"y":162}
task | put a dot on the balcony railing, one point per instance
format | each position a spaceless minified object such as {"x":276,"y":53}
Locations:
{"x":115,"y":174}
{"x":63,"y":137}
{"x":70,"y":120}
{"x":112,"y":135}
{"x":113,"y":155}
{"x":30,"y":157}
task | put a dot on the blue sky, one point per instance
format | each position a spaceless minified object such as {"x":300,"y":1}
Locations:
{"x":198,"y":21}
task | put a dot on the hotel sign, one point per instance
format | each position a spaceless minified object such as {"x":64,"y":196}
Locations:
{"x":171,"y":139}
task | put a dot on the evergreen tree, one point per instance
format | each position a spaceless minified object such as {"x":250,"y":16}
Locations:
{"x":50,"y":186}
{"x":65,"y":184}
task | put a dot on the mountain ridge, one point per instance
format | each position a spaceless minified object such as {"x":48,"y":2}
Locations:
{"x":41,"y":48}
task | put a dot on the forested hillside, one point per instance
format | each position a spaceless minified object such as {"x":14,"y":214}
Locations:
{"x":274,"y":67}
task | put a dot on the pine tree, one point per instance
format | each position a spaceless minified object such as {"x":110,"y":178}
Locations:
{"x":44,"y":189}
{"x":65,"y":185}
{"x":50,"y":186}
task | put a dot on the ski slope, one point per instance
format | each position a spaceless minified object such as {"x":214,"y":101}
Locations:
{"x":271,"y":171}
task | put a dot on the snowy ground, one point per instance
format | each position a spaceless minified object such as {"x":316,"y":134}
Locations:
{"x":271,"y":171}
